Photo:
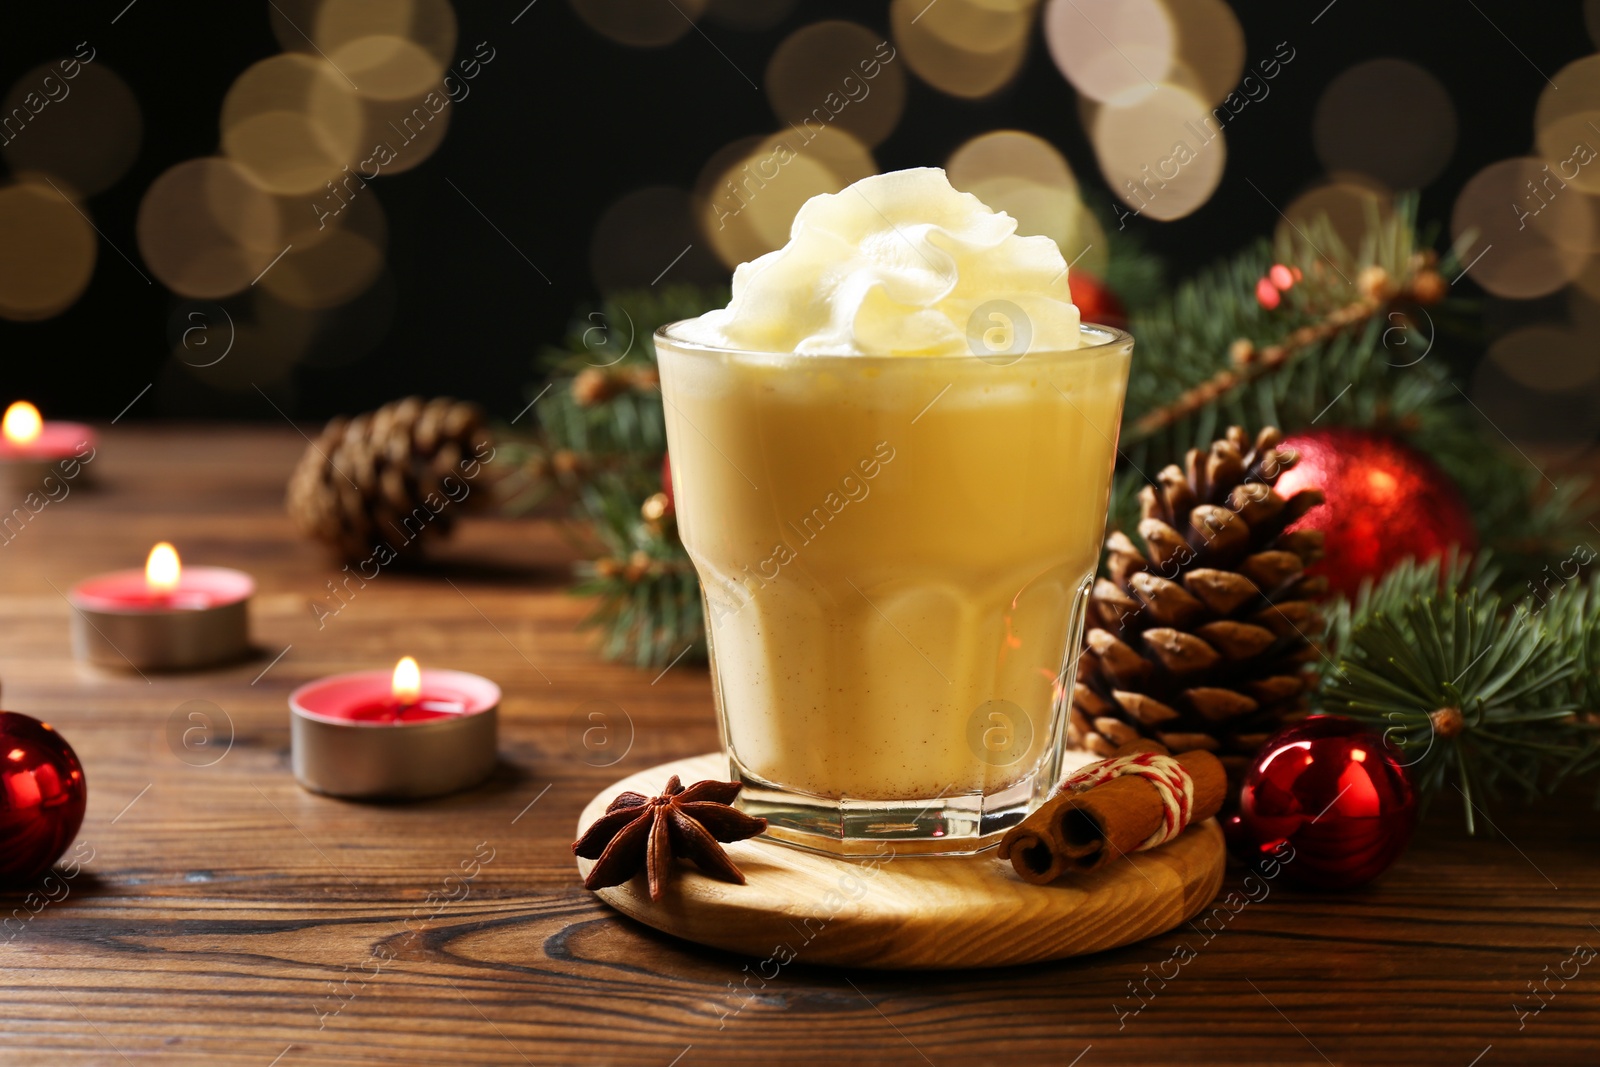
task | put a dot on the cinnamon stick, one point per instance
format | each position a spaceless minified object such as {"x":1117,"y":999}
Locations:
{"x":1079,"y":832}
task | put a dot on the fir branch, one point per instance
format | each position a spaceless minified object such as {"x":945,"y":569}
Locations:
{"x":1211,"y":356}
{"x":1251,"y":364}
{"x":620,"y":330}
{"x":1408,"y":581}
{"x":646,"y":610}
{"x":603,"y":415}
{"x":1573,"y":616}
{"x":1471,"y":693}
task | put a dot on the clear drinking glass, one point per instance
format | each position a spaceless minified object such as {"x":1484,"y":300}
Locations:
{"x":895,"y":554}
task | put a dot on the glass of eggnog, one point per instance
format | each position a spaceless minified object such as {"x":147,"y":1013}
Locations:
{"x":891,"y":464}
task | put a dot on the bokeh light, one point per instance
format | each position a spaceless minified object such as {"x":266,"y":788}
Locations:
{"x":392,"y":54}
{"x":722,"y":196}
{"x":386,"y":67}
{"x":1566,"y":121}
{"x":291,"y":122}
{"x":1088,"y":249}
{"x":978,"y":25}
{"x":1351,"y":206}
{"x":1386,"y":118}
{"x":1024,"y":176}
{"x":713,"y":205}
{"x":86,"y":132}
{"x":1534,"y":236}
{"x":294,"y":23}
{"x":1561,"y":423}
{"x":206,"y":230}
{"x":430,"y":23}
{"x":640,"y":23}
{"x":834,"y":72}
{"x":47,"y":252}
{"x":309,"y":25}
{"x":1111,"y":49}
{"x":339,"y":267}
{"x":304,"y":221}
{"x":1010,"y":154}
{"x":1548,"y":358}
{"x":1209,"y":54}
{"x":288,"y":214}
{"x":766,"y":219}
{"x":967,"y":48}
{"x":398,"y":135}
{"x":846,"y":157}
{"x":747,"y":195}
{"x":1586,"y":286}
{"x":1157,"y":152}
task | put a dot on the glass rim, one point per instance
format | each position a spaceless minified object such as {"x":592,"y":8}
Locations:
{"x":1108,"y":338}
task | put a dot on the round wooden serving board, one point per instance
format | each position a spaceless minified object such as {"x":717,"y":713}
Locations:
{"x":902,"y":912}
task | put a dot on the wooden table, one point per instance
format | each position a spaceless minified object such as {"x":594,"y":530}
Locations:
{"x":229,"y":917}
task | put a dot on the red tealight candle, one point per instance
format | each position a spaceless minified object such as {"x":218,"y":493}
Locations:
{"x":164,"y":617}
{"x":408,"y":734}
{"x":31,"y":447}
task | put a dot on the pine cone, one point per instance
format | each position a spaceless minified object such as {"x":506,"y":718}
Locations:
{"x":1201,"y":641}
{"x":380,"y":478}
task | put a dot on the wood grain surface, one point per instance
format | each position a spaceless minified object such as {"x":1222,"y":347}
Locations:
{"x":228,"y":917}
{"x":893,"y":912}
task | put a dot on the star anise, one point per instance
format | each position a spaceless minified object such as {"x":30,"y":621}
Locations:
{"x":639,"y":831}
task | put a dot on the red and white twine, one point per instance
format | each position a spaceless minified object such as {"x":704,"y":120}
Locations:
{"x":1172,"y":782}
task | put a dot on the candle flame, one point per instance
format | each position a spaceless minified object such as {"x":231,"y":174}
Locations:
{"x":162,"y":569}
{"x":407,"y":686}
{"x":22,"y":423}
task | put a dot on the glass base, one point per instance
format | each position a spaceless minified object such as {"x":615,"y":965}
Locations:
{"x":959,"y":825}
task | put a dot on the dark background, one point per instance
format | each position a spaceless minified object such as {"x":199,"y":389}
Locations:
{"x":564,"y":122}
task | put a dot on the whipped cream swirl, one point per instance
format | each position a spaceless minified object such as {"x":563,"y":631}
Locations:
{"x":896,"y":264}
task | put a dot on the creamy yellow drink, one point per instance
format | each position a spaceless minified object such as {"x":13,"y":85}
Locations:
{"x":891,"y":456}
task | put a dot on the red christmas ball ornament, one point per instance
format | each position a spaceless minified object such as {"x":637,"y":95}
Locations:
{"x":666,"y":483}
{"x":1385,"y":501}
{"x":1096,"y":302}
{"x":1334,"y":792}
{"x":42,"y":797}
